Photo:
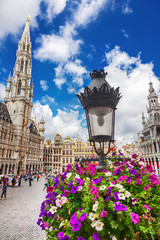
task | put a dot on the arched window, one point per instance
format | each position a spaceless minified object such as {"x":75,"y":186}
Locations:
{"x":23,"y":46}
{"x":22,"y":64}
{"x":19,"y":88}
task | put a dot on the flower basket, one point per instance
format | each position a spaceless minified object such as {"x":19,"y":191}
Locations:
{"x":120,"y":202}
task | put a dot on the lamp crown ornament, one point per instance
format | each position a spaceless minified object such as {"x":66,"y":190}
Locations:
{"x":98,"y":74}
{"x":99,"y":92}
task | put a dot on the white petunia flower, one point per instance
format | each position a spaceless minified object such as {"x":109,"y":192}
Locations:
{"x":96,"y":203}
{"x":111,"y":184}
{"x":108,"y":174}
{"x":127,"y":194}
{"x":121,"y":189}
{"x":95,"y":207}
{"x":61,"y":224}
{"x":99,"y":225}
{"x":103,"y":187}
{"x":59,"y":202}
{"x":91,"y":216}
{"x":114,"y":238}
{"x":64,"y":199}
{"x":93,"y":224}
{"x":80,"y":188}
{"x":119,"y":185}
{"x":96,"y":215}
{"x":68,"y":175}
{"x":121,"y":196}
{"x":53,"y":209}
{"x":77,"y":176}
{"x":141,"y":163}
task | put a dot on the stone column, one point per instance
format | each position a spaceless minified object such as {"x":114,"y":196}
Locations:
{"x":156,"y":167}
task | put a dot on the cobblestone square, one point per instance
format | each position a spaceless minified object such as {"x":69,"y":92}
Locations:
{"x":20,"y":210}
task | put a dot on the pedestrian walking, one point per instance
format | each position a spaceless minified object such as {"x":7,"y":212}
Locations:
{"x":30,"y":181}
{"x":4,"y":190}
{"x":45,"y":184}
{"x":13,"y":181}
{"x":38,"y":177}
{"x":19,"y":181}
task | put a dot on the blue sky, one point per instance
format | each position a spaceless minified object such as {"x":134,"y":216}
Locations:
{"x":70,"y":38}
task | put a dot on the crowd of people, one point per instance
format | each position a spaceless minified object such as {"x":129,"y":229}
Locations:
{"x":16,"y":181}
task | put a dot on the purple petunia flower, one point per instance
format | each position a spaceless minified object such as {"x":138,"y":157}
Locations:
{"x":75,"y":224}
{"x":56,"y":180}
{"x":80,"y":238}
{"x":118,"y":171}
{"x":83,"y":217}
{"x":119,"y":207}
{"x":107,"y":198}
{"x":133,"y":171}
{"x":129,"y":180}
{"x":97,"y":180}
{"x":96,"y":236}
{"x":62,"y":188}
{"x":71,"y":183}
{"x":121,"y":154}
{"x":115,"y":195}
{"x":39,"y":221}
{"x":79,"y":181}
{"x":74,"y":189}
{"x":60,"y":235}
{"x":66,"y":237}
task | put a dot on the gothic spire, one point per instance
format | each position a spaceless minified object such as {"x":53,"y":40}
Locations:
{"x":26,"y":33}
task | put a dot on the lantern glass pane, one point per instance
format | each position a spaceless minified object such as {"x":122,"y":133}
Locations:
{"x":100,"y":119}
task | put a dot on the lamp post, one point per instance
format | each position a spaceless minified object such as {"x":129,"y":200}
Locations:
{"x":99,"y":101}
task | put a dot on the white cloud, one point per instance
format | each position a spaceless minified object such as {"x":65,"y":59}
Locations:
{"x":125,"y":34}
{"x":2,"y":91}
{"x":75,"y":68}
{"x":55,"y":7}
{"x":66,"y":123}
{"x":132,"y":76}
{"x":13,"y":15}
{"x":71,"y":90}
{"x":126,"y":9}
{"x":44,"y":85}
{"x":57,"y":48}
{"x":88,"y":11}
{"x":47,"y":99}
{"x":59,"y":82}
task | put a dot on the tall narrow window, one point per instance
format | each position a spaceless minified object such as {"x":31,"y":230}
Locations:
{"x":23,"y":46}
{"x":22,"y":64}
{"x":26,"y":66}
{"x":19,"y":88}
{"x":27,"y":48}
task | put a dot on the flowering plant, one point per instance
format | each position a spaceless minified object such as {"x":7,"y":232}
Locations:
{"x":120,"y":202}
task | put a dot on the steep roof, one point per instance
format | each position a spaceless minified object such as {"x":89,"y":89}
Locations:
{"x":4,"y":114}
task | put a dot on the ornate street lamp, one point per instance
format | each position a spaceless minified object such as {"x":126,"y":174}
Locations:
{"x":99,"y":101}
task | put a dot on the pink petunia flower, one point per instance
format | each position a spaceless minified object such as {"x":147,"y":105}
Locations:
{"x":146,"y":206}
{"x":103,"y":214}
{"x":146,"y":187}
{"x":134,"y":217}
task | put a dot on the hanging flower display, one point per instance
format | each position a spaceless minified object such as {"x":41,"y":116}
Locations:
{"x":120,"y":202}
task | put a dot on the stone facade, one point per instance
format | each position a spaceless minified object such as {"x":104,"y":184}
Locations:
{"x":134,"y":148}
{"x":21,"y":138}
{"x":150,"y":145}
{"x":59,"y":153}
